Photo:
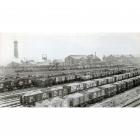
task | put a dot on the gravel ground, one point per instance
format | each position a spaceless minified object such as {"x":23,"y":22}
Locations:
{"x":121,"y":99}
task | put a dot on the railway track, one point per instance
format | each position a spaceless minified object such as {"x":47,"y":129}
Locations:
{"x":14,"y":104}
{"x":10,"y":102}
{"x":12,"y":98}
{"x":10,"y":93}
{"x":134,"y":103}
{"x":17,"y":90}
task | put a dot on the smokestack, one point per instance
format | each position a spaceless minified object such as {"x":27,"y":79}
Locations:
{"x":16,"y":49}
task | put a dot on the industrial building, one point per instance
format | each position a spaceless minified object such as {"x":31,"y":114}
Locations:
{"x":121,"y":59}
{"x":81,"y":59}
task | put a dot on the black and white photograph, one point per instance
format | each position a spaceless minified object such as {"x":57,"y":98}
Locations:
{"x":70,"y":70}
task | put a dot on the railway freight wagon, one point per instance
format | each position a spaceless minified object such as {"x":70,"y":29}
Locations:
{"x":136,"y":81}
{"x":23,"y":82}
{"x":109,"y":80}
{"x":129,"y":83}
{"x":53,"y":92}
{"x":121,"y":86}
{"x":89,"y":84}
{"x":100,"y":82}
{"x":31,"y":97}
{"x":109,"y":89}
{"x":73,"y":87}
{"x":18,"y":83}
{"x":70,"y":78}
{"x":55,"y":102}
{"x":1,"y":86}
{"x":54,"y":80}
{"x":6,"y":85}
{"x":42,"y":81}
{"x":86,"y":77}
{"x":93,"y":95}
{"x":60,"y":79}
{"x":49,"y":81}
{"x":74,"y":100}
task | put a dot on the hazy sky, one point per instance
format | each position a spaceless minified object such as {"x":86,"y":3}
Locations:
{"x":32,"y":46}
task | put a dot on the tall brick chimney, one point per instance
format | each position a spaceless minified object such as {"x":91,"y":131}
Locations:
{"x":16,"y":49}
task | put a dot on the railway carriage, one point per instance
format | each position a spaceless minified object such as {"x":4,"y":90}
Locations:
{"x":100,"y":82}
{"x":84,"y":98}
{"x":96,"y":75}
{"x":85,"y":77}
{"x":60,"y":79}
{"x":137,"y":83}
{"x":6,"y":85}
{"x":31,"y":97}
{"x":130,"y":75}
{"x":105,"y":74}
{"x":9,"y":84}
{"x":109,"y":80}
{"x":70,"y":78}
{"x":42,"y":82}
{"x":89,"y":84}
{"x":54,"y":102}
{"x":2,"y":87}
{"x":73,"y":87}
{"x":74,"y":100}
{"x":94,"y":94}
{"x":109,"y":90}
{"x":23,"y":82}
{"x":120,"y":86}
{"x":129,"y":83}
{"x":126,"y":75}
{"x":53,"y":92}
{"x":118,"y":77}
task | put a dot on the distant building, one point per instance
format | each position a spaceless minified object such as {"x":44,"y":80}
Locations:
{"x":47,"y":62}
{"x":81,"y":59}
{"x":44,"y":57}
{"x":119,"y":59}
{"x":13,"y":64}
{"x":58,"y":62}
